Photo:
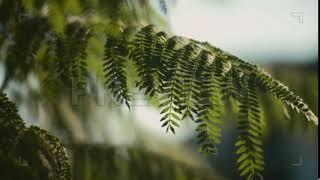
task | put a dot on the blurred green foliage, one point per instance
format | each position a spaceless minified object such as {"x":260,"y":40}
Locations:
{"x":99,"y":162}
{"x":29,"y":152}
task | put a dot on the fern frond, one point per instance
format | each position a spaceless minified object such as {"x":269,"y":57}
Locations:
{"x":167,"y":61}
{"x":27,"y":37}
{"x":231,"y":84}
{"x":276,"y":88}
{"x":70,"y":54}
{"x":271,"y":85}
{"x":171,"y":85}
{"x":209,"y":108}
{"x":114,"y":64}
{"x":283,"y":93}
{"x":147,"y":45}
{"x":189,"y":72}
{"x":158,"y":55}
{"x":79,"y":64}
{"x":249,"y":142}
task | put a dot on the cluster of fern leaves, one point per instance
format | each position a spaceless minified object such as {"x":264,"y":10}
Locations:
{"x":29,"y":153}
{"x":191,"y":79}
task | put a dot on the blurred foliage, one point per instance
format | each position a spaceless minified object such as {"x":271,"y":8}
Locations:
{"x":40,"y":39}
{"x":28,"y":153}
{"x":98,"y":162}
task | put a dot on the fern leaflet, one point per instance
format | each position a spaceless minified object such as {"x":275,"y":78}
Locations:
{"x":209,"y":108}
{"x":114,"y":65}
{"x":249,"y":141}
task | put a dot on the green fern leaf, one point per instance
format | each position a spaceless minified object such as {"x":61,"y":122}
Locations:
{"x":231,"y":84}
{"x":249,"y":142}
{"x":283,"y":93}
{"x":209,"y":108}
{"x":188,"y":73}
{"x":29,"y":34}
{"x":114,"y":65}
{"x":146,"y":51}
{"x":271,"y":85}
{"x":79,"y":65}
{"x":70,"y":54}
{"x":170,"y":85}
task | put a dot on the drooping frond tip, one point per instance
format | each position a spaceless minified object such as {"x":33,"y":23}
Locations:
{"x":283,"y":93}
{"x":270,"y":85}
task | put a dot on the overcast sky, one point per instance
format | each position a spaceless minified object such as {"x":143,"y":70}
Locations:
{"x":257,"y":30}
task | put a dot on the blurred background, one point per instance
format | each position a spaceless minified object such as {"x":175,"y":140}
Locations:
{"x":107,"y":141}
